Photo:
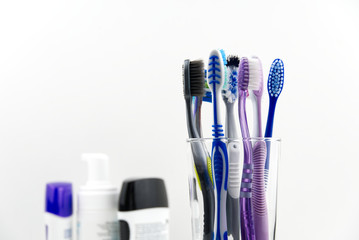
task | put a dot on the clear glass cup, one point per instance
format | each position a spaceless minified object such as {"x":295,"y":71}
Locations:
{"x":251,"y":199}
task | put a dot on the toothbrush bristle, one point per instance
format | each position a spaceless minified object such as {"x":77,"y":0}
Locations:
{"x":255,"y":73}
{"x":232,"y":61}
{"x":230,"y":92}
{"x":243,"y":74}
{"x":197,"y":77}
{"x":276,"y":78}
{"x":224,"y":60}
{"x":193,"y":78}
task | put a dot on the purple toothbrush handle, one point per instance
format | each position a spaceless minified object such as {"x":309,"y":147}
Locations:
{"x":245,"y":201}
{"x":259,"y":203}
{"x":247,"y":230}
{"x":247,"y":226}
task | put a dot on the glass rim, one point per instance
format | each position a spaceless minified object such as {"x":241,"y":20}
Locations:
{"x":251,"y":139}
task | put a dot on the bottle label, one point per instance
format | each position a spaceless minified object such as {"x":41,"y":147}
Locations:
{"x":58,"y":228}
{"x":145,"y":224}
{"x":154,"y":230}
{"x":98,"y":226}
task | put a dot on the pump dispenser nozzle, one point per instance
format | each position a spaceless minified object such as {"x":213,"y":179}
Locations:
{"x":97,"y":166}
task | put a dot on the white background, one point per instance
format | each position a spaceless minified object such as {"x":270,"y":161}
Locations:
{"x":105,"y":76}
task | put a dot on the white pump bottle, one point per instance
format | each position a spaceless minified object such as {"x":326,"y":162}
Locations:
{"x":97,"y":202}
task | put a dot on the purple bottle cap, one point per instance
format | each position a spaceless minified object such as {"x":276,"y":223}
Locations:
{"x":59,"y":198}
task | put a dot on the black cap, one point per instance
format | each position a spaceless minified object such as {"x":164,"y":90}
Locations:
{"x":142,"y":193}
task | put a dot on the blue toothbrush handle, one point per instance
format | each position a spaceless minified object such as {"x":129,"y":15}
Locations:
{"x":220,"y":167}
{"x":266,"y":165}
{"x":270,"y":119}
{"x":269,"y":133}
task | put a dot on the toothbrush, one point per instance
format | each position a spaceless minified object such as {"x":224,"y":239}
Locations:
{"x":193,"y":85}
{"x":259,"y":203}
{"x":246,"y":218}
{"x":256,"y":84}
{"x":275,"y":86}
{"x":219,"y":148}
{"x":230,"y":95}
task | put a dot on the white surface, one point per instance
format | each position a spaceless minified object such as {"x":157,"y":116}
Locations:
{"x":105,"y":76}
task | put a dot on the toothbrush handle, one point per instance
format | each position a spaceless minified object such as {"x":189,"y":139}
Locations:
{"x":234,"y":177}
{"x":220,"y":166}
{"x":200,"y":162}
{"x":243,"y":118}
{"x":209,"y":213}
{"x":269,"y":133}
{"x":270,"y":119}
{"x":191,"y":128}
{"x":197,"y":115}
{"x":231,"y":128}
{"x":257,"y":115}
{"x":200,"y":159}
{"x":260,"y":211}
{"x":247,"y":225}
{"x":267,"y":164}
{"x":233,"y":221}
{"x":234,"y":173}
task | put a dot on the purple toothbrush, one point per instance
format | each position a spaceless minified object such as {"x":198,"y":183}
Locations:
{"x":245,"y":199}
{"x":259,"y":203}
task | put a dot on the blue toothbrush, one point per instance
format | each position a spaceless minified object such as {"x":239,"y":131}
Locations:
{"x":219,"y":148}
{"x":275,"y":86}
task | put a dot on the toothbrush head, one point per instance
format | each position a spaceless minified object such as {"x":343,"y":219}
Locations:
{"x":255,"y":76}
{"x":224,"y":59}
{"x":215,"y":71}
{"x":276,"y":78}
{"x":223,"y":54}
{"x":207,"y":92}
{"x":243,"y":74}
{"x":193,"y":78}
{"x":230,"y":90}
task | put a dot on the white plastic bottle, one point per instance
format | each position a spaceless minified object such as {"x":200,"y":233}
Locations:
{"x":58,"y":211}
{"x":97,"y":202}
